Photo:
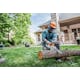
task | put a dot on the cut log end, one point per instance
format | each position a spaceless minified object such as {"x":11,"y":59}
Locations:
{"x":40,"y":55}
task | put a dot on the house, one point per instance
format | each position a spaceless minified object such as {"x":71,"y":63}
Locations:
{"x":68,"y":27}
{"x":71,"y":29}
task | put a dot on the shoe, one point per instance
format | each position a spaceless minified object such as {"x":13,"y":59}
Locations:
{"x":59,"y":60}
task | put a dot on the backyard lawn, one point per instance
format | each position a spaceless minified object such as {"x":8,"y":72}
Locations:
{"x":27,"y":57}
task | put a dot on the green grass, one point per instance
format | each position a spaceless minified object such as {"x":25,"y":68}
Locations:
{"x":27,"y":57}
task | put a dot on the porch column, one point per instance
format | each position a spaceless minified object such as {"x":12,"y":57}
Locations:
{"x":69,"y":33}
{"x":58,"y":25}
{"x":77,"y":32}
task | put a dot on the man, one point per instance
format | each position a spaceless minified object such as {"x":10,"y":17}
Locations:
{"x":50,"y":36}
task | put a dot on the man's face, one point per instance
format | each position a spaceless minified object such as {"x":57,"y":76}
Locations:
{"x":50,"y":29}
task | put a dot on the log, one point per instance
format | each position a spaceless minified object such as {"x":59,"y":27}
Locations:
{"x":53,"y":54}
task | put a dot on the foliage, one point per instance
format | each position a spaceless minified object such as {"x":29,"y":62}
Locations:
{"x":17,"y":22}
{"x":27,"y":57}
{"x":22,"y":22}
{"x":7,"y":44}
{"x":5,"y":24}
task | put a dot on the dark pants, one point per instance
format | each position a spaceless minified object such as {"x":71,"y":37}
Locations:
{"x":57,"y":45}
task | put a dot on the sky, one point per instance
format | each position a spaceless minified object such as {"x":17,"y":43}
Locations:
{"x":37,"y":19}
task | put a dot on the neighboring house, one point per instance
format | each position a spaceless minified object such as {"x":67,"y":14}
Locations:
{"x":68,"y":27}
{"x":38,"y":36}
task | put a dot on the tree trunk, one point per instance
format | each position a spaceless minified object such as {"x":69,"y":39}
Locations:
{"x":54,"y":54}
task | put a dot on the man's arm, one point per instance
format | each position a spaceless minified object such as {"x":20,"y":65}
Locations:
{"x":44,"y":37}
{"x":54,"y":39}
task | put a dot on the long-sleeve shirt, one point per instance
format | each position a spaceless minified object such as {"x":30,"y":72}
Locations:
{"x":52,"y":37}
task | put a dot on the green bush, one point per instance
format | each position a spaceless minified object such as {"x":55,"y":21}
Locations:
{"x":5,"y":41}
{"x":1,"y":40}
{"x":7,"y":44}
{"x":16,"y":41}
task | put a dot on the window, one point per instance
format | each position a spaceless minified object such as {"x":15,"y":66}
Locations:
{"x":65,"y":31}
{"x":73,"y":30}
{"x":78,"y":30}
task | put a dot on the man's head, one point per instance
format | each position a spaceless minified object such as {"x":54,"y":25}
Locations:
{"x":52,"y":27}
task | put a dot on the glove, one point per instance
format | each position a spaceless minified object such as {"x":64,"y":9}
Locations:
{"x":51,"y":44}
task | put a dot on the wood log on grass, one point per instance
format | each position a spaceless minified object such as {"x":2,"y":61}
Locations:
{"x":53,"y":54}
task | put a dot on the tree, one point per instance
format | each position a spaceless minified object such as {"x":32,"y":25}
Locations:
{"x":5,"y":25}
{"x":17,"y":22}
{"x":21,"y":22}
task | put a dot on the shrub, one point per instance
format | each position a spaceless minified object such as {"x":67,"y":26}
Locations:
{"x":7,"y":44}
{"x":3,"y":41}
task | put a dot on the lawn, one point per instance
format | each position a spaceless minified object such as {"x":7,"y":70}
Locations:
{"x":27,"y":57}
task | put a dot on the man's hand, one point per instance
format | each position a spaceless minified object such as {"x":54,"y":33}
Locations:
{"x":51,"y":44}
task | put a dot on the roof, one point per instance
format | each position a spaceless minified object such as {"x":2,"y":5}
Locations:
{"x":46,"y":23}
{"x":70,"y":21}
{"x":38,"y":31}
{"x":63,"y":16}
